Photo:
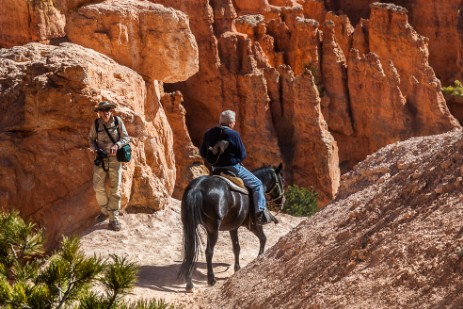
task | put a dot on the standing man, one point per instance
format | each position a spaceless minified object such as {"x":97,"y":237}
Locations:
{"x":106,"y":129}
{"x":231,"y":159}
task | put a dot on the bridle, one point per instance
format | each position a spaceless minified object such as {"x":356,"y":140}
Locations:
{"x":277,"y":185}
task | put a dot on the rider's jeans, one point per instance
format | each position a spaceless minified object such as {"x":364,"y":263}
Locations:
{"x":252,"y":182}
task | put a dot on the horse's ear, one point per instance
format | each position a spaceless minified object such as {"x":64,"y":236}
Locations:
{"x":278,"y":170}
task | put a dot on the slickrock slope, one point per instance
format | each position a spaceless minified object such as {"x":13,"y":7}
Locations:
{"x":392,"y":239}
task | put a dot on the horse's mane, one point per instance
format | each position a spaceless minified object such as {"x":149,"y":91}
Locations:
{"x":262,"y":168}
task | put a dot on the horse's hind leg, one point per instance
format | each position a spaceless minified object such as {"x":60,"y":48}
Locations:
{"x":236,"y":248}
{"x":258,"y":230}
{"x":211,"y":241}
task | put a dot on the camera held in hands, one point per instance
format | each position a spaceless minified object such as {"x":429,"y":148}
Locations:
{"x":100,"y":155}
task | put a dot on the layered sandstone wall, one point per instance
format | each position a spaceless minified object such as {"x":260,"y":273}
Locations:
{"x":374,"y":82}
{"x":438,"y":20}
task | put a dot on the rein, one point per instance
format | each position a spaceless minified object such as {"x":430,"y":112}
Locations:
{"x":278,"y":185}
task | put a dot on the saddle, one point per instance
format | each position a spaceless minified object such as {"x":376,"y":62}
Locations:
{"x":235,"y":183}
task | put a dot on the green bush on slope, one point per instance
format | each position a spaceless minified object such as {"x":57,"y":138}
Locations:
{"x":300,"y":201}
{"x":454,"y":90}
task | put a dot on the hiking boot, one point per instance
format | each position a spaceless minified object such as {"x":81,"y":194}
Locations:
{"x":115,"y":225}
{"x":100,"y":218}
{"x":263,"y":217}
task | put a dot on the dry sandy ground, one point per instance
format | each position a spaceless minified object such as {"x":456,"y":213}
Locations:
{"x":154,"y":242}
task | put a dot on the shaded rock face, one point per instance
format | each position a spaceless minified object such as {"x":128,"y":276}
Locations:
{"x":188,"y":162}
{"x":439,"y":21}
{"x":391,"y":236}
{"x":356,"y":9}
{"x":314,"y":161}
{"x":444,"y":31}
{"x":48,"y":94}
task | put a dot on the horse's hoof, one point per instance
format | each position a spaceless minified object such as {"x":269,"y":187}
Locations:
{"x":274,"y":219}
{"x":237,"y":267}
{"x":189,"y":289}
{"x":211,"y":282}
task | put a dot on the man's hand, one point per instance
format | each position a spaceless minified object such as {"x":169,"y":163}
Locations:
{"x":114,"y":149}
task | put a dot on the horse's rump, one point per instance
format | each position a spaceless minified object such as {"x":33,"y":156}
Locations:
{"x":221,"y":207}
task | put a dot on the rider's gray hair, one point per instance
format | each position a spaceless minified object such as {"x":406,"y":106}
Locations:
{"x":227,"y":117}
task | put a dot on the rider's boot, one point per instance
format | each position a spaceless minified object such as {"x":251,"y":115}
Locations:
{"x":264,"y":217}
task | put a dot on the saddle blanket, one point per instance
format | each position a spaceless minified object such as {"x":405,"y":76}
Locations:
{"x":233,"y":185}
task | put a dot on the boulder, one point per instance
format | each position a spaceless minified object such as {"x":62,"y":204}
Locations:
{"x":151,"y":39}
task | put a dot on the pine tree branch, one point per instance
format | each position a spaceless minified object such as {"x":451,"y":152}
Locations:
{"x":69,"y":289}
{"x":14,"y":252}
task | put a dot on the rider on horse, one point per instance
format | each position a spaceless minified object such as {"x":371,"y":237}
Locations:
{"x":229,"y":156}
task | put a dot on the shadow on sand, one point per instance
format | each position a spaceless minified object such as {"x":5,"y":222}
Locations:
{"x":164,"y":278}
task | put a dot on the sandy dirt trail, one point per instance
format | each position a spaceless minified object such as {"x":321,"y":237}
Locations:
{"x":154,"y":243}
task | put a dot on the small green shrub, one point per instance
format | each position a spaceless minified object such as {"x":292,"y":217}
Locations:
{"x":30,"y":279}
{"x":454,"y":90}
{"x":300,"y":201}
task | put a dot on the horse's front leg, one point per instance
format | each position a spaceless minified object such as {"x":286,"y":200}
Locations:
{"x":211,"y":241}
{"x":236,"y":248}
{"x":258,"y":230}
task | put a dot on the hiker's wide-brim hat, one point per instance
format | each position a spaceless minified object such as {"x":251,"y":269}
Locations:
{"x":104,"y":105}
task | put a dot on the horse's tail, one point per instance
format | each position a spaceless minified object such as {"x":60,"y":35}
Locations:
{"x":191,"y":218}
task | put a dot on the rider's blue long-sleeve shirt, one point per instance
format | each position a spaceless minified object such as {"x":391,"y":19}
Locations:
{"x":235,"y":152}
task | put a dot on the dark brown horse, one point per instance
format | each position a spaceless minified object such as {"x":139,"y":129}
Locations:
{"x":209,"y":201}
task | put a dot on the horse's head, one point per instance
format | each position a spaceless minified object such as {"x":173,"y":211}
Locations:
{"x":276,"y":191}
